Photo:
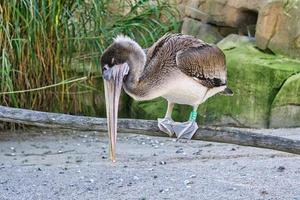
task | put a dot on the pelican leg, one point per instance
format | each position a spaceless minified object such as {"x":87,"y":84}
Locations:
{"x":165,"y":124}
{"x":186,"y":130}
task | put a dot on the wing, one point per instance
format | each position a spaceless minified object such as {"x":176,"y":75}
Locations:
{"x":158,"y":45}
{"x":205,"y":63}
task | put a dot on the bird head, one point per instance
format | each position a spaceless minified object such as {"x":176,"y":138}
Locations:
{"x":116,"y":62}
{"x":115,"y":57}
{"x":124,"y":52}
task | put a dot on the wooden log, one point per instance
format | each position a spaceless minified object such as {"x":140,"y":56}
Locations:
{"x":146,"y":127}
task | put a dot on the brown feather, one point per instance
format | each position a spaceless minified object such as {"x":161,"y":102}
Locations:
{"x":190,"y":55}
{"x":205,"y":63}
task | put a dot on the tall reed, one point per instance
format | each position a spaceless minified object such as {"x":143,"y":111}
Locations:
{"x":45,"y":42}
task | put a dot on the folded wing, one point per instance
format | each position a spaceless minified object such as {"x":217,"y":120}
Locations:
{"x":205,"y":63}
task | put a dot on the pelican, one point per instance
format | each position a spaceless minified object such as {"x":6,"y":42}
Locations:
{"x":180,"y":68}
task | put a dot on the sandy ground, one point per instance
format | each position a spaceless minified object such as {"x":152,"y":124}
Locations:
{"x":47,"y":164}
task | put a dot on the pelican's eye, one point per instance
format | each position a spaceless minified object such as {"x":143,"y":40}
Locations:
{"x":105,"y":68}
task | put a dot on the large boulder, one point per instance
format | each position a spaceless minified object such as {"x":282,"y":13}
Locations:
{"x":254,"y":76}
{"x":225,"y":12}
{"x":285,"y":110}
{"x":275,"y":23}
{"x":278,"y":28}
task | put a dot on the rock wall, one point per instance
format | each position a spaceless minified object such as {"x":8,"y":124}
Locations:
{"x":274,"y":23}
{"x":278,"y":28}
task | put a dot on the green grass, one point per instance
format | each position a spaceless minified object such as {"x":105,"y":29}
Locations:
{"x":48,"y":42}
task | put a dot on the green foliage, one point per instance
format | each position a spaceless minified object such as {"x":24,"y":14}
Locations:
{"x":44,"y":42}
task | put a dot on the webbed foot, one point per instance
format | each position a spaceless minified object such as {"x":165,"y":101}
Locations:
{"x":182,"y":130}
{"x":165,"y":125}
{"x":185,"y":130}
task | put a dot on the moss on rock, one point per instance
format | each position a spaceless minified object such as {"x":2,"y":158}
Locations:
{"x":285,"y":110}
{"x":289,"y":93}
{"x":255,"y":77}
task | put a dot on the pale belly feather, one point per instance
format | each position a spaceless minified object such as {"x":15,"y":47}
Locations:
{"x":180,"y":89}
{"x":186,"y":90}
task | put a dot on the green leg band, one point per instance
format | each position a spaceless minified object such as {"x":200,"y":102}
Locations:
{"x":193,"y":116}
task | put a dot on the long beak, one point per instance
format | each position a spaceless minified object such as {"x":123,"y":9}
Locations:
{"x":113,"y":79}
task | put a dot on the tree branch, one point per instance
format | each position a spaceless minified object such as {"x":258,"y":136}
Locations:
{"x":145,"y":127}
